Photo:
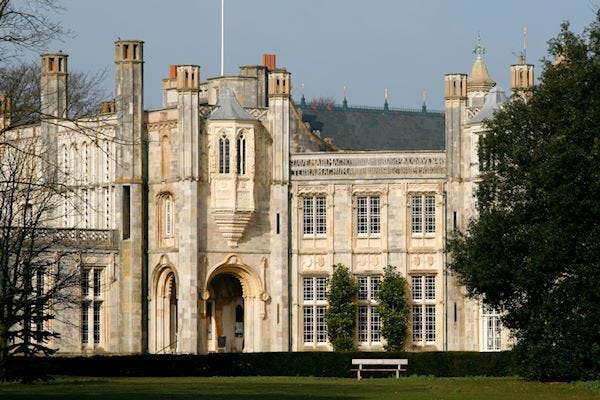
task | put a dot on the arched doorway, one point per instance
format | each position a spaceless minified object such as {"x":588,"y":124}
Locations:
{"x":165,"y":312}
{"x":233,"y":303}
{"x":226,"y":314}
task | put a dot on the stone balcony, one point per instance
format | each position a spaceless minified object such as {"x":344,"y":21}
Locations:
{"x":102,"y":239}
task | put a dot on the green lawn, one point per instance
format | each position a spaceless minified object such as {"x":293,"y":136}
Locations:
{"x":297,"y":388}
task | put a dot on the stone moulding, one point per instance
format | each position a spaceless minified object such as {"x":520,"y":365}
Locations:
{"x":232,"y":224}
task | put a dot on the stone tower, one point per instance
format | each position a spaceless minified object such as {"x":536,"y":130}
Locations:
{"x":186,"y":204}
{"x":521,"y":79}
{"x":455,"y":101}
{"x":53,"y":105}
{"x":279,"y":91}
{"x":53,"y":83}
{"x":131,"y":177}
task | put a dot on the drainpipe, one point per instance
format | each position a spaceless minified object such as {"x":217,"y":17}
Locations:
{"x":289,"y":249}
{"x":445,"y":252}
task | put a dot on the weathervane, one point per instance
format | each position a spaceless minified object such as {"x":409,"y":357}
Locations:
{"x":479,"y":50}
{"x":522,"y":55}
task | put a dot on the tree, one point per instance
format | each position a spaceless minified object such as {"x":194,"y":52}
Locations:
{"x":27,"y":25}
{"x":534,"y":250}
{"x":20,"y":82}
{"x":393,"y":308}
{"x":340,"y":317}
{"x":38,"y":269}
{"x":37,"y":273}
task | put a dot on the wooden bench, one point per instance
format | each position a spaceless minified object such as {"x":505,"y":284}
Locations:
{"x":378,"y":365}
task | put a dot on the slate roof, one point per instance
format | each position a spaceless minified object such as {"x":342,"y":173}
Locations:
{"x":493,"y":102}
{"x":228,"y":108}
{"x":353,"y":128}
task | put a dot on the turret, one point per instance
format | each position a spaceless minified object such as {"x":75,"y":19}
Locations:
{"x":521,"y":73}
{"x":455,"y":100}
{"x":131,"y":175}
{"x":53,"y":90}
{"x":188,"y":86}
{"x":279,"y":83}
{"x":479,"y":81}
{"x":53,"y":105}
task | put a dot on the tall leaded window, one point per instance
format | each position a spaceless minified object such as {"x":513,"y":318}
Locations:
{"x":86,"y":208}
{"x":423,"y":214}
{"x":369,"y":321}
{"x":37,"y":320}
{"x":92,"y":295}
{"x":223,"y":155}
{"x":314,"y":304}
{"x":314,"y":216}
{"x":106,"y":168}
{"x":241,"y":154}
{"x":168,"y":216}
{"x":85,"y":158}
{"x":492,"y":328}
{"x":368,"y":215}
{"x":65,"y":159}
{"x":107,"y":208}
{"x":423,"y":309}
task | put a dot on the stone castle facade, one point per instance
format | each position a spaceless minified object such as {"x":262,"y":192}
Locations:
{"x":212,"y":223}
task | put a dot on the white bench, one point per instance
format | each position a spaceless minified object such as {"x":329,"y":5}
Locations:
{"x":378,"y":365}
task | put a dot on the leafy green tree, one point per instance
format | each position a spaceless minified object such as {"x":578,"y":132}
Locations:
{"x":393,"y":308}
{"x":534,"y":250}
{"x":340,"y":316}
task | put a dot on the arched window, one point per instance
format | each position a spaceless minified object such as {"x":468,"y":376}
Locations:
{"x":223,"y":155}
{"x":241,"y":154}
{"x":165,"y":214}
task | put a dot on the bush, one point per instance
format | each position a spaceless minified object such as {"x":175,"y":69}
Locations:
{"x":321,"y":364}
{"x":340,"y":316}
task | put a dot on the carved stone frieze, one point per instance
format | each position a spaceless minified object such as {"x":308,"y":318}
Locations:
{"x":364,"y":165}
{"x":313,"y":261}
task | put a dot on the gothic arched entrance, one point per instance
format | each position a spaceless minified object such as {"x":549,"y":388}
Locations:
{"x":234,"y":303}
{"x":227,"y":313}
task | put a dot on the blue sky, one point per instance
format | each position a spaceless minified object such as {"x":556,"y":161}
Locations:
{"x":367,"y":46}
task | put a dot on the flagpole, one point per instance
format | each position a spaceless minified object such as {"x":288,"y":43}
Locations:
{"x":222,"y":36}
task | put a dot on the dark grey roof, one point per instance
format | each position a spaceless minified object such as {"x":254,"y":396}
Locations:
{"x":353,"y":128}
{"x":493,"y":102}
{"x":228,"y":108}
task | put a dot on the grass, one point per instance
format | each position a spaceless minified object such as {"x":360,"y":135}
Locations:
{"x":299,"y":388}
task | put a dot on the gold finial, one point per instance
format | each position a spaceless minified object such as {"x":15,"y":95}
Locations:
{"x":344,"y":91}
{"x":302,"y":85}
{"x":424,"y":94}
{"x":385,"y":94}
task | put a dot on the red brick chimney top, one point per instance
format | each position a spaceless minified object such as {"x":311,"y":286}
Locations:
{"x":270,"y":61}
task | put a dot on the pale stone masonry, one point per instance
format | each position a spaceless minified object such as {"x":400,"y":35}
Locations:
{"x":212,"y":223}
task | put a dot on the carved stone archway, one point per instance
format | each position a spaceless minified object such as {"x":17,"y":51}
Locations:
{"x":255,"y":298}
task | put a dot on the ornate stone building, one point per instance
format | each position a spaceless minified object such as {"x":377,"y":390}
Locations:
{"x":213,"y":222}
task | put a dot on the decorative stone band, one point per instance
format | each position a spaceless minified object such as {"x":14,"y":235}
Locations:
{"x":355,"y":165}
{"x":77,"y":238}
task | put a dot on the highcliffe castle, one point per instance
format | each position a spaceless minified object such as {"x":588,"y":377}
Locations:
{"x":212,"y":223}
